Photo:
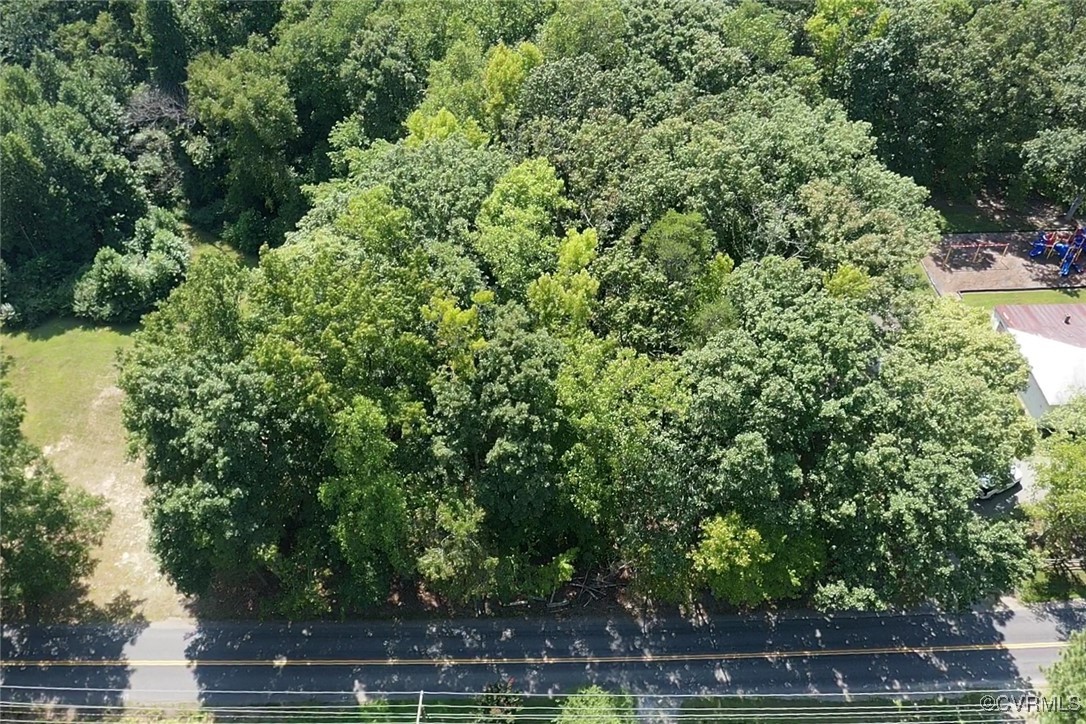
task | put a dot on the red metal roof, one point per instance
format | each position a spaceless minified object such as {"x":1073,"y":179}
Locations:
{"x":1060,"y":322}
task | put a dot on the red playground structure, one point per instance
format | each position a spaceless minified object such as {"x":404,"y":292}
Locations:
{"x":1066,"y":245}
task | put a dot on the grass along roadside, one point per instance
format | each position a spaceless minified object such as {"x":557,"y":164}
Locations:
{"x":1048,"y":585}
{"x":66,"y":373}
{"x":546,"y":710}
{"x":868,"y":710}
{"x":988,"y":300}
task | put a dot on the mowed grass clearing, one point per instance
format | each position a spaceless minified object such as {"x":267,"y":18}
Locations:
{"x":66,"y":373}
{"x":989,"y":300}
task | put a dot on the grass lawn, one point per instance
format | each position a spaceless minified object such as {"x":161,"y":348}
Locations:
{"x":1051,"y":586}
{"x":66,"y":374}
{"x":923,"y":283}
{"x":204,"y":243}
{"x":988,"y":300}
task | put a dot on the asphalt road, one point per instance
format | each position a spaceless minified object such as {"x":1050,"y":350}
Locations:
{"x":234,"y":663}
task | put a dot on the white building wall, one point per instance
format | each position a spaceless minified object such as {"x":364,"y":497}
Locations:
{"x":1033,"y":399}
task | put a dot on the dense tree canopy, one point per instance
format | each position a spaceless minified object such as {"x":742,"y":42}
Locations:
{"x":539,"y":287}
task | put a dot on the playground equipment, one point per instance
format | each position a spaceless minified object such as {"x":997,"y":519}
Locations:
{"x":977,"y":246}
{"x":1071,"y":253}
{"x":1066,"y":245}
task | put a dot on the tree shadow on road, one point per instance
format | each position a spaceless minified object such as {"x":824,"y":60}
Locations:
{"x":818,"y":655}
{"x":72,"y":682}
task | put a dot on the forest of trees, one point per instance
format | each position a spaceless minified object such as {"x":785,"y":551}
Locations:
{"x":545,"y":287}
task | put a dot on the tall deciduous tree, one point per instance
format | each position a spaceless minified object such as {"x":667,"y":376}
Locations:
{"x":245,"y":104}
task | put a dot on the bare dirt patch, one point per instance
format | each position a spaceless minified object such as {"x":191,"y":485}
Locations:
{"x":67,"y":375}
{"x":1004,"y":265}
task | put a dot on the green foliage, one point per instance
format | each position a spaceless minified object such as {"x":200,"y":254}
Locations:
{"x":1058,"y":158}
{"x":595,"y":706}
{"x":594,"y":27}
{"x":439,"y":126}
{"x":367,"y":500}
{"x":516,"y":223}
{"x":565,"y":298}
{"x":916,"y":77}
{"x":73,"y":188}
{"x":743,"y":567}
{"x":837,"y":25}
{"x":49,"y":528}
{"x":498,"y":704}
{"x":1067,"y":681}
{"x":668,"y":292}
{"x":909,"y":84}
{"x":1062,"y":475}
{"x":164,"y":43}
{"x":640,"y":296}
{"x":456,"y":564}
{"x":119,"y":287}
{"x":314,"y":41}
{"x":503,"y":77}
{"x":246,"y":106}
{"x":442,"y":182}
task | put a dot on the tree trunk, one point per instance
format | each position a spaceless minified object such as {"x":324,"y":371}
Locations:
{"x":1074,"y":207}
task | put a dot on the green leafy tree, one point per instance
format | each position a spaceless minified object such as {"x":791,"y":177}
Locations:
{"x":506,"y":69}
{"x":367,"y":500}
{"x":49,"y":527}
{"x":1021,"y":51}
{"x":619,"y":404}
{"x":164,"y":43}
{"x":597,"y":706}
{"x":442,"y":180}
{"x":910,"y":84}
{"x":1062,"y":510}
{"x":122,"y":286}
{"x":564,"y":300}
{"x":65,"y":173}
{"x":805,"y":417}
{"x":439,"y":126}
{"x":595,"y":27}
{"x":455,"y":82}
{"x":502,"y":433}
{"x":836,"y":26}
{"x":1059,"y":157}
{"x":742,"y":566}
{"x":456,"y":564}
{"x":314,"y":41}
{"x":516,"y":223}
{"x":1067,"y":682}
{"x":662,"y":291}
{"x":246,"y":105}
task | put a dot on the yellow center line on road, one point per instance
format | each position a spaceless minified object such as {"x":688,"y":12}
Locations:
{"x":646,"y":658}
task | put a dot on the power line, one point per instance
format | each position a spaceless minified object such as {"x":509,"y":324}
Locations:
{"x":902,"y":693}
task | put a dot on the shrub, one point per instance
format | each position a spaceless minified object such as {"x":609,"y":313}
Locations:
{"x":122,"y":285}
{"x":36,"y":290}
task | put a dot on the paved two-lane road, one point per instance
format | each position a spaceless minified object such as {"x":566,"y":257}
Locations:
{"x":233,"y":663}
